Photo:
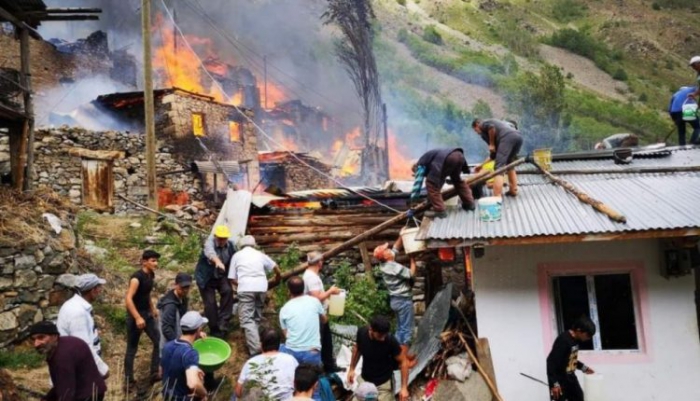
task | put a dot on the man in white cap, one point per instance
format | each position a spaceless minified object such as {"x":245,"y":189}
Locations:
{"x":75,"y":317}
{"x":367,"y":391}
{"x":694,"y":63}
{"x":210,"y":275}
{"x":249,"y":269}
{"x":182,"y":378}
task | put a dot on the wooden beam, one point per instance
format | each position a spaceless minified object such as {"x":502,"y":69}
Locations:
{"x":26,"y":74}
{"x":367,"y":261}
{"x":476,"y":179}
{"x":568,"y":238}
{"x":584,"y":197}
{"x":483,"y":352}
{"x":65,"y":10}
{"x":8,"y":16}
{"x":68,"y":18}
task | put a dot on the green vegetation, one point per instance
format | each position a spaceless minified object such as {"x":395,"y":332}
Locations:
{"x":115,"y":315}
{"x":568,"y":10}
{"x":365,"y":298}
{"x":482,"y":109}
{"x":520,"y":41}
{"x":431,"y":35}
{"x":675,"y":4}
{"x":185,"y":250}
{"x":584,"y":44}
{"x":289,"y":260}
{"x":21,"y":358}
{"x":401,"y":2}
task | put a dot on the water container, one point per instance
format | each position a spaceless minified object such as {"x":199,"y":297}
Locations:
{"x":336,"y":306}
{"x":410,"y":244}
{"x":593,"y":387}
{"x":543,"y":158}
{"x":490,"y":208}
{"x":690,"y":110}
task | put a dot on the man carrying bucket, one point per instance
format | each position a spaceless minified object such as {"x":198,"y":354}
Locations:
{"x":675,"y":111}
{"x":435,"y":166}
{"x":399,"y":280}
{"x":314,"y":286}
{"x":562,"y":361}
{"x":182,"y":378}
{"x":504,"y":144}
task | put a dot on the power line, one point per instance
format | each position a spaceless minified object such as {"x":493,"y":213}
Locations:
{"x":260,"y":129}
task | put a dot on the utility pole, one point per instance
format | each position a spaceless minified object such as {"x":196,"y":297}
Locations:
{"x":149,"y":111}
{"x":265,"y":78}
{"x":28,"y":130}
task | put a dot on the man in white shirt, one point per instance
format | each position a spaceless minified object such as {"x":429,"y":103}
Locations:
{"x":314,"y":286}
{"x":75,"y":317}
{"x":272,"y":371}
{"x":249,"y":269}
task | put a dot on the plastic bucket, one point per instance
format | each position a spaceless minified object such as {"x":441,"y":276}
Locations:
{"x":336,"y":305}
{"x":410,"y":244}
{"x":690,"y":110}
{"x":490,"y":208}
{"x":543,"y":158}
{"x":213,"y":353}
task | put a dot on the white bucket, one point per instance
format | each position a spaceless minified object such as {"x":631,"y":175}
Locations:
{"x":336,"y":305}
{"x":690,"y":110}
{"x":593,"y":387}
{"x":410,"y":245}
{"x":490,"y":208}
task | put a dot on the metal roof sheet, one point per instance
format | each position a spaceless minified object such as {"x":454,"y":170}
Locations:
{"x":649,"y":201}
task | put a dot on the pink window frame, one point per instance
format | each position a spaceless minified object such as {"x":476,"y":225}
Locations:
{"x":545,"y":271}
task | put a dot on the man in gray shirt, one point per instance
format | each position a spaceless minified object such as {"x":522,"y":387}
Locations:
{"x":504,"y":144}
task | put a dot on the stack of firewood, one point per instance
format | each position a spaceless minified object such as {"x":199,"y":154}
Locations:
{"x":454,"y":342}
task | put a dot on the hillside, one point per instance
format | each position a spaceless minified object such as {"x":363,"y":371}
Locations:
{"x":446,"y":60}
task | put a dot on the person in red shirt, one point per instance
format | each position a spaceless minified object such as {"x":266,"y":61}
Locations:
{"x":73,"y":371}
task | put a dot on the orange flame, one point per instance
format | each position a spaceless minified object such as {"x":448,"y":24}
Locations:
{"x":399,"y":163}
{"x":274,"y":95}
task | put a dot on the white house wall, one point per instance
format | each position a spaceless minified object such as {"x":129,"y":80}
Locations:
{"x":511,"y":315}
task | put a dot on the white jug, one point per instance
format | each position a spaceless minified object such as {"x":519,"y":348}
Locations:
{"x":336,"y":306}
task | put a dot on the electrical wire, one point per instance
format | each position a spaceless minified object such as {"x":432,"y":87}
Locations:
{"x":260,"y":129}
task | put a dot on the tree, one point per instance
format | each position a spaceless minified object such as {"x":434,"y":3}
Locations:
{"x":354,"y":50}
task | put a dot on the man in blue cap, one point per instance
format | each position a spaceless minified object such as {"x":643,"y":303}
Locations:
{"x":675,"y":110}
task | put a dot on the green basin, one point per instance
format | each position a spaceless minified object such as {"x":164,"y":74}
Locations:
{"x":213,"y":353}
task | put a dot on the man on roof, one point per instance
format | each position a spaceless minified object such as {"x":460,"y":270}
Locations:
{"x":504,"y":142}
{"x":211,"y":276}
{"x":694,"y":63}
{"x":675,"y":111}
{"x":618,"y":141}
{"x":435,"y":166}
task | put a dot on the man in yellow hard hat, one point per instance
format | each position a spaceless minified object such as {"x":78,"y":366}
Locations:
{"x":211,"y":276}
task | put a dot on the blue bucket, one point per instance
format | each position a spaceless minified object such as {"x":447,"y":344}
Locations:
{"x":490,"y":208}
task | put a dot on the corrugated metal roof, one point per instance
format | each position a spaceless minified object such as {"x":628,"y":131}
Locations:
{"x":649,"y":201}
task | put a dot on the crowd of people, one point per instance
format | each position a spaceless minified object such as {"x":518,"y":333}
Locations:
{"x":295,"y":368}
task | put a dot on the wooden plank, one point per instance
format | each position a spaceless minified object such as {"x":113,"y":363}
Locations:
{"x":18,"y":146}
{"x":483,"y":353}
{"x":25,"y":74}
{"x":366,"y":260}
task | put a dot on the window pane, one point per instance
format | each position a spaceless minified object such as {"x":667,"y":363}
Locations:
{"x":571,"y":298}
{"x":618,"y":328}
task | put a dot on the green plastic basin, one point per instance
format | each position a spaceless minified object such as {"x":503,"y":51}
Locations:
{"x":213,"y":353}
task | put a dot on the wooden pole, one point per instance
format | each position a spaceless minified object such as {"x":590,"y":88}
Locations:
{"x":385,"y":126}
{"x":367,"y":261}
{"x":585,"y":198}
{"x":483,"y":352}
{"x":149,"y":110}
{"x":480,"y":368}
{"x":476,"y":179}
{"x":28,"y":131}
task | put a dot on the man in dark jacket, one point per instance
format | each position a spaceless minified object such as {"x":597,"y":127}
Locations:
{"x":211,"y":275}
{"x":72,"y":368}
{"x":562,"y":361}
{"x":172,"y":306}
{"x":504,"y":142}
{"x":435,"y":166}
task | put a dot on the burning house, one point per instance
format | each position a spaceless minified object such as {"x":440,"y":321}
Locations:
{"x":291,"y":172}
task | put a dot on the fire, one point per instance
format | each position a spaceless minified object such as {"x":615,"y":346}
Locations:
{"x":399,"y":163}
{"x":346,"y":152}
{"x":274,"y":95}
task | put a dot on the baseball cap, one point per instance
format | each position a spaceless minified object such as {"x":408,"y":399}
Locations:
{"x":192,"y":321}
{"x":248,"y":240}
{"x":694,"y":59}
{"x":367,"y":391}
{"x":183,"y":280}
{"x":45,"y":327}
{"x":86,"y":282}
{"x":222,"y":231}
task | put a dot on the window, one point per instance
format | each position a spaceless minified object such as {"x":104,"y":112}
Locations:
{"x":198,"y":127}
{"x":234,"y":131}
{"x":608,"y":299}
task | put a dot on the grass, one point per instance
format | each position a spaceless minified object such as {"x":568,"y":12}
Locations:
{"x":21,"y":358}
{"x":114,"y":315}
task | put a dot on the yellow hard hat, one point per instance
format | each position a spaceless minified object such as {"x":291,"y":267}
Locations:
{"x":222,"y":232}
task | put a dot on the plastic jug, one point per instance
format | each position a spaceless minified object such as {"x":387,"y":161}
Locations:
{"x":690,"y":110}
{"x":336,"y":305}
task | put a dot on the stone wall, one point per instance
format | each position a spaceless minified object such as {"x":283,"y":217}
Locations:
{"x":57,"y":170}
{"x":29,"y":282}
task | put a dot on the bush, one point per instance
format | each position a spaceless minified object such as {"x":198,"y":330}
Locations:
{"x":21,"y":358}
{"x":115,"y":315}
{"x":520,"y":41}
{"x":431,"y":35}
{"x":365,"y":297}
{"x":568,"y":10}
{"x":655,"y":6}
{"x":482,"y":109}
{"x":582,"y":43}
{"x":620,"y":75}
{"x":401,"y":2}
{"x":402,"y":35}
{"x":289,"y":260}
